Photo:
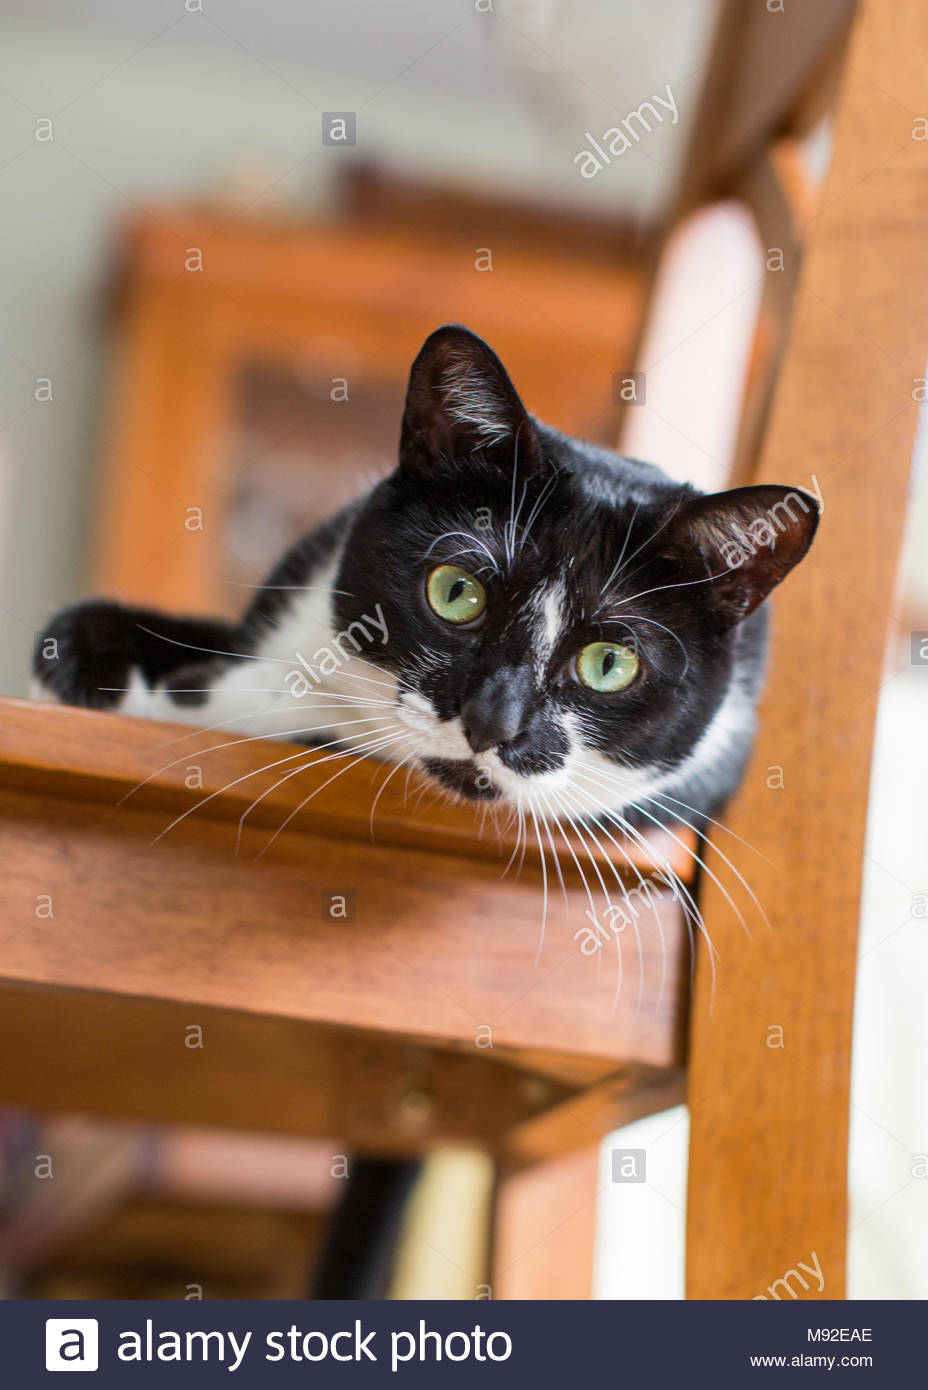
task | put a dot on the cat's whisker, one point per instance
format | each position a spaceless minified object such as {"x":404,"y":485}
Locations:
{"x":589,"y":808}
{"x":583,"y":878}
{"x":250,"y":656}
{"x":664,"y":868}
{"x":524,"y":849}
{"x":346,"y":702}
{"x":200,"y":729}
{"x":312,"y":761}
{"x":383,"y":786}
{"x":544,"y":881}
{"x":519,"y":833}
{"x":633,"y":917}
{"x":617,"y":785}
{"x":321,"y":690}
{"x":252,"y":772}
{"x":631,"y":912}
{"x":639,"y":617}
{"x":649,"y":540}
{"x":645,"y":890}
{"x":427,"y":787}
{"x":693,"y":918}
{"x":509,"y":531}
{"x":210,"y":651}
{"x":409,"y":772}
{"x":542,"y":811}
{"x":723,"y":856}
{"x":368,"y":680}
{"x":286,"y":588}
{"x":363,"y":751}
{"x":518,"y":849}
{"x":504,"y":817}
{"x":618,"y":564}
{"x":559,"y":802}
{"x":385,"y":742}
{"x":657,"y":797}
{"x":240,"y":827}
{"x":475,"y":542}
{"x":197,"y":689}
{"x":278,"y":660}
{"x":343,"y":675}
{"x":681,"y":584}
{"x":536,"y":509}
{"x":570,"y":849}
{"x":231,"y":743}
{"x":342,"y":701}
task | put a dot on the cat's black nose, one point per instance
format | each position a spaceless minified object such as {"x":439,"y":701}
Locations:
{"x":497,"y":710}
{"x":483,"y":733}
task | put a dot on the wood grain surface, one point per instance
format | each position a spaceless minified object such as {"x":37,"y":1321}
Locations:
{"x":121,"y":931}
{"x":216,"y":775}
{"x":771,"y":1044}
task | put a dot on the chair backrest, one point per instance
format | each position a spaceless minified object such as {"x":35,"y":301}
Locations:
{"x":770,"y":1053}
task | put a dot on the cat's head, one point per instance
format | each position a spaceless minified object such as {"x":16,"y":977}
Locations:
{"x":558,"y":616}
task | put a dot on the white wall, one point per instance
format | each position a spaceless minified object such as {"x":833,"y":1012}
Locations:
{"x":149,"y":100}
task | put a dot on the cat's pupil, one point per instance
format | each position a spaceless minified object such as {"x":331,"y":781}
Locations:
{"x":608,"y":662}
{"x":456,"y":590}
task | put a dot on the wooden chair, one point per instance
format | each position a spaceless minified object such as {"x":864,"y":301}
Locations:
{"x":768,"y":1147}
{"x":387,"y":994}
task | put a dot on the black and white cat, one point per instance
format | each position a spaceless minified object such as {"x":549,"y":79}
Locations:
{"x":522,"y":617}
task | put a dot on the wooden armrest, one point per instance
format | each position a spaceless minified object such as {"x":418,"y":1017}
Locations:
{"x":90,"y":755}
{"x":393,"y":992}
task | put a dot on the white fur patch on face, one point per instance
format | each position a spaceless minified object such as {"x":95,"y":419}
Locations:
{"x":599,"y":784}
{"x":435,"y":738}
{"x":514,"y":786}
{"x":444,"y":739}
{"x":545,"y":618}
{"x":552,"y":614}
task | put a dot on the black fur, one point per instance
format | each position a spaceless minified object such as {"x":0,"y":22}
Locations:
{"x":638,"y":559}
{"x":693,"y":620}
{"x":86,"y":654}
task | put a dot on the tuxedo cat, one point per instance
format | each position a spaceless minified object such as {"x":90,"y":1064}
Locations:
{"x":523,"y":618}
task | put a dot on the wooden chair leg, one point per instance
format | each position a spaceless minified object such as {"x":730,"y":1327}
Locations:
{"x":770,"y":1052}
{"x":545,"y":1228}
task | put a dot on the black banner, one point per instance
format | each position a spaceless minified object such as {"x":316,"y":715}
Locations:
{"x":127,"y":1344}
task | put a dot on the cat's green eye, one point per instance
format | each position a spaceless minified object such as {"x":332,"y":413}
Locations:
{"x":607,"y":666}
{"x":455,"y":595}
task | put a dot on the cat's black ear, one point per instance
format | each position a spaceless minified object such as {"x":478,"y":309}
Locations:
{"x":460,"y":402}
{"x":747,"y":539}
